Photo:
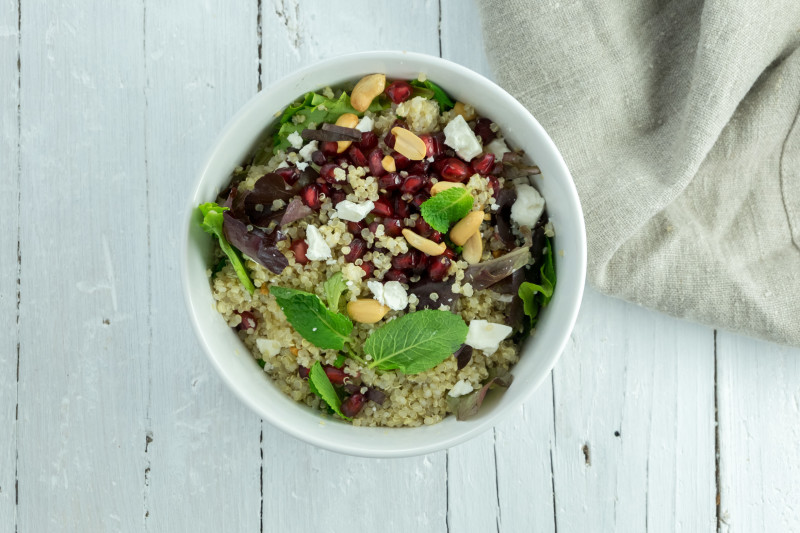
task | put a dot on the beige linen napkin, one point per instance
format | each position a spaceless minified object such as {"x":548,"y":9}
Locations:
{"x":678,"y":121}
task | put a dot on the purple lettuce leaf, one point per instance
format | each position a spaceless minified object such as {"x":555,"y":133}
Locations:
{"x":424,"y":288}
{"x":463,"y":355}
{"x":468,"y":405}
{"x":487,"y":273}
{"x":255,"y":243}
{"x":295,"y":211}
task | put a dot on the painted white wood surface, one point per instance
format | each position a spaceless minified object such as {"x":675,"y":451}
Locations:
{"x":124,"y":426}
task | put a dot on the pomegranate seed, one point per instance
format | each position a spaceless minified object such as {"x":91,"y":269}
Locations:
{"x":449,"y":253}
{"x":368,"y":268}
{"x":318,"y":158}
{"x":310,"y":196}
{"x":289,"y":174}
{"x":353,"y":405}
{"x":329,"y":148}
{"x":324,"y":188}
{"x":403,"y":261}
{"x":355,"y":227}
{"x":248,"y":321}
{"x":436,"y":236}
{"x":393,"y":226}
{"x":438,"y":267}
{"x":358,"y":247}
{"x":390,"y":181}
{"x":396,"y":275}
{"x":419,"y":167}
{"x":420,"y":260}
{"x":302,"y":372}
{"x":375,"y":165}
{"x":434,"y":144}
{"x":373,"y":227}
{"x":398,"y":91}
{"x":357,"y":156}
{"x":401,"y":207}
{"x":419,"y":199}
{"x":484,"y":131}
{"x":401,"y":162}
{"x":368,"y":142}
{"x":454,"y":170}
{"x":299,"y":248}
{"x":342,"y":161}
{"x":337,"y":196}
{"x":326,"y":172}
{"x":383,"y":208}
{"x":422,"y":227}
{"x":412,"y":184}
{"x":336,"y":375}
{"x":493,"y":181}
{"x":483,"y":164}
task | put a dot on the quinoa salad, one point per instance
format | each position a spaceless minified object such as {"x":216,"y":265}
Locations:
{"x":383,"y":254}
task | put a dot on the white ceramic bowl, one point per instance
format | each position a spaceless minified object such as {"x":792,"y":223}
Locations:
{"x":539,"y":353}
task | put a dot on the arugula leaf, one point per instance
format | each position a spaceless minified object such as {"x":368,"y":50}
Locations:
{"x":447,"y":207}
{"x":212,"y":223}
{"x":334,"y":288}
{"x":311,"y":319}
{"x":416,"y":341}
{"x":534,"y":296}
{"x":320,"y":385}
{"x":445,"y":103}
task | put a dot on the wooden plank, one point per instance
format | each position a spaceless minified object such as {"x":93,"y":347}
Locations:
{"x":9,"y":267}
{"x":634,"y":404}
{"x":758,"y":400}
{"x":83,"y":344}
{"x":204,"y":459}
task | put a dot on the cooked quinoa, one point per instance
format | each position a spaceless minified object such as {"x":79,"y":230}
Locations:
{"x":410,"y":400}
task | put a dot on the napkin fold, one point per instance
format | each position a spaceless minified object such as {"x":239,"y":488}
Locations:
{"x":679,"y":123}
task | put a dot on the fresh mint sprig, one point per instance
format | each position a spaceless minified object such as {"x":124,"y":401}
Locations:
{"x":448,"y":206}
{"x":320,"y":385}
{"x":307,"y":314}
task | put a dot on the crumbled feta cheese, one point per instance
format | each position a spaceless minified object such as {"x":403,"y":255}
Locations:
{"x":318,"y":249}
{"x":268,"y":347}
{"x":528,"y":206}
{"x":301,"y":166}
{"x":459,"y":137}
{"x":461,"y":388}
{"x":295,"y":140}
{"x":391,"y":294}
{"x":498,"y":148}
{"x":283,"y":164}
{"x":306,"y":151}
{"x":486,"y":336}
{"x":365,"y":124}
{"x":353,"y":212}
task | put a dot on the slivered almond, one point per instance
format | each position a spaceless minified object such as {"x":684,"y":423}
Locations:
{"x":366,"y":310}
{"x":348,"y":120}
{"x":422,"y":244}
{"x":465,"y":227}
{"x":444,"y":185}
{"x":409,"y":144}
{"x":388,"y":164}
{"x":468,"y":112}
{"x":473,"y":249}
{"x":366,"y":90}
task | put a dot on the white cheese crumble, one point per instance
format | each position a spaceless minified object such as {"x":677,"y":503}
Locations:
{"x":486,"y":336}
{"x":459,"y":137}
{"x":528,"y":206}
{"x":353,"y":212}
{"x":365,"y":124}
{"x":318,"y":249}
{"x":295,"y":139}
{"x":391,"y":294}
{"x":306,"y":151}
{"x":461,"y":388}
{"x":498,"y":148}
{"x":268,"y":347}
{"x":301,"y":166}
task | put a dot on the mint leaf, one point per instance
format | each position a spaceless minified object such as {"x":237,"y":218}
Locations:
{"x":445,"y":102}
{"x":212,"y":223}
{"x":320,"y":385}
{"x":311,"y":319}
{"x":534,"y":296}
{"x":447,"y":207}
{"x":334,"y":288}
{"x":340,"y":359}
{"x":416,"y":341}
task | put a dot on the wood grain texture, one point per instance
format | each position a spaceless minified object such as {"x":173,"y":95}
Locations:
{"x":9,"y":268}
{"x":204,"y":459}
{"x":83,"y":343}
{"x":634,"y":424}
{"x":758,"y":398}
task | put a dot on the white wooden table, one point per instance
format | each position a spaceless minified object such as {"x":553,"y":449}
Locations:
{"x":111,"y":419}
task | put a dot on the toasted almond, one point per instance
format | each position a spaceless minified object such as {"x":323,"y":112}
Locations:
{"x":366,"y":90}
{"x":366,"y":310}
{"x":465,"y":227}
{"x":388,"y":164}
{"x":409,"y":144}
{"x":468,"y":112}
{"x":444,"y":185}
{"x":348,"y":120}
{"x":424,"y":245}
{"x":473,"y":249}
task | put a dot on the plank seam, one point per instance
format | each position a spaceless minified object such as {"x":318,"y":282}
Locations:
{"x":258,"y":45}
{"x":261,"y":477}
{"x":439,"y":28}
{"x":552,"y":445}
{"x":447,"y":490}
{"x":496,"y":480}
{"x":716,"y":436}
{"x":19,"y":258}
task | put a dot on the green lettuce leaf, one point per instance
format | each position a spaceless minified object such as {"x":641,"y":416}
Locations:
{"x":212,"y":223}
{"x":320,"y":385}
{"x":445,"y":102}
{"x":334,"y":288}
{"x":534,"y":296}
{"x":310,"y":318}
{"x":446,"y":207}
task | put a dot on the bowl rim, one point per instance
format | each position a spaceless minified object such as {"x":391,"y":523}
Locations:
{"x":279,"y":422}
